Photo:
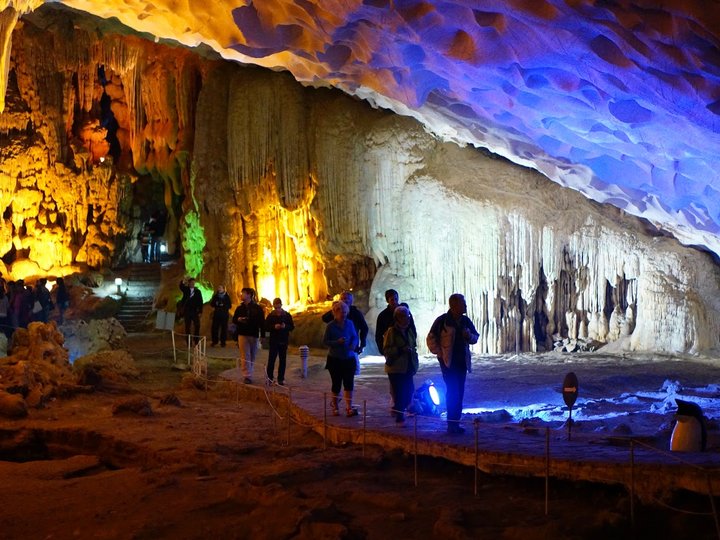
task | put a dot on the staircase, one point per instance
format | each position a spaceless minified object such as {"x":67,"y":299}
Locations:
{"x":142,"y":283}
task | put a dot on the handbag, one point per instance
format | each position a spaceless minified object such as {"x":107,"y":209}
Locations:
{"x":37,"y":307}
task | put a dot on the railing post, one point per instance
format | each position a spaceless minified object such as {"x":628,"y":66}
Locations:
{"x":476,"y":425}
{"x":415,"y":448}
{"x":712,"y":505}
{"x":174,"y":348}
{"x":289,"y":410}
{"x":364,"y":426}
{"x":324,"y":420}
{"x":632,"y":487}
{"x":547,"y":470}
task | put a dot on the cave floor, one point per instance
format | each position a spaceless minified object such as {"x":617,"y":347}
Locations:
{"x":227,"y":462}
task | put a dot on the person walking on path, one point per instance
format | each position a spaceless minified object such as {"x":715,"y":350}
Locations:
{"x":279,"y":324}
{"x":354,"y":315}
{"x":191,"y":304}
{"x":220,"y":302}
{"x":401,"y":360}
{"x":385,"y":318}
{"x":450,"y":338}
{"x":342,"y":340}
{"x":249,"y":319}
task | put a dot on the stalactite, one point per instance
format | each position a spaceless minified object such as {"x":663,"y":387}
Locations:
{"x":267,"y":135}
{"x":293,"y":188}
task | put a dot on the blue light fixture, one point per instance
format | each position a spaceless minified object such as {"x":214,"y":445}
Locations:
{"x":426,"y":400}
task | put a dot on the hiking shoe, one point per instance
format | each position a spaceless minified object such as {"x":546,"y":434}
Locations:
{"x":352,"y":411}
{"x":247,"y":380}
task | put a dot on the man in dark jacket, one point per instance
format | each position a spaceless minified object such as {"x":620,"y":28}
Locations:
{"x":249,"y":318}
{"x":354,"y":315}
{"x":192,"y":304}
{"x":385,"y":317}
{"x":450,"y":338}
{"x":221,"y":303}
{"x":279,"y":324}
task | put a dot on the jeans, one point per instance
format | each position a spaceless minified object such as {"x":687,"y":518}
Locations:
{"x":248,"y":346}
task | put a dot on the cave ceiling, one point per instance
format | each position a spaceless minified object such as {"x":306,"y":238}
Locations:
{"x":619,"y":100}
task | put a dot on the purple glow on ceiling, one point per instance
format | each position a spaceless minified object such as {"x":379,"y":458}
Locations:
{"x":618,"y":100}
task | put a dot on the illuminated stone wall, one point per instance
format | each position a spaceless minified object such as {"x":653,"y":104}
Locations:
{"x":301,"y":193}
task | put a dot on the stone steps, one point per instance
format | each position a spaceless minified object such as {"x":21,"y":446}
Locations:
{"x":142,"y":282}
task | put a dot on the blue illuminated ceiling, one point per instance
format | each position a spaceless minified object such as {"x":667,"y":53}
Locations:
{"x":617,"y":99}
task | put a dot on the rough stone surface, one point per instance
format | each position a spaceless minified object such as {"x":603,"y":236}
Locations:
{"x":38,"y":367}
{"x":86,"y":337}
{"x":106,"y":369}
{"x":134,"y":406}
{"x":616,"y":99}
{"x":12,"y":405}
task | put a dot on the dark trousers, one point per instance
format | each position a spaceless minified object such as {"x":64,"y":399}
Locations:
{"x":154,"y":250}
{"x":454,"y":392}
{"x":192,"y":319}
{"x":402,"y":390}
{"x":342,"y":374}
{"x":277,"y":350}
{"x":219,"y":327}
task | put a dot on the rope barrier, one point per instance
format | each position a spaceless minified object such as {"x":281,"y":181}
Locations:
{"x":680,"y":510}
{"x":579,"y":439}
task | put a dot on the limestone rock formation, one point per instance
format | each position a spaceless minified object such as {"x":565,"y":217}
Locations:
{"x":37,"y":370}
{"x":107,"y":370}
{"x":83,"y":338}
{"x":617,"y":100}
{"x":301,"y":193}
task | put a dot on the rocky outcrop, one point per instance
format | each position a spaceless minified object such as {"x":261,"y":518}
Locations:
{"x":106,"y":370}
{"x":37,"y":369}
{"x":86,"y":337}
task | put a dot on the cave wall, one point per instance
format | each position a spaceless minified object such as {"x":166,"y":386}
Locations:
{"x":302,"y":193}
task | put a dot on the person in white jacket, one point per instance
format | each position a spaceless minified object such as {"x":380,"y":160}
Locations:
{"x":450,"y":338}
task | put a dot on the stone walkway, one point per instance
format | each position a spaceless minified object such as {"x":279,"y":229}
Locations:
{"x":501,"y":448}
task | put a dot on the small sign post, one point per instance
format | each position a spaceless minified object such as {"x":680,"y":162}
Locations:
{"x":570,"y":393}
{"x":304,"y":354}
